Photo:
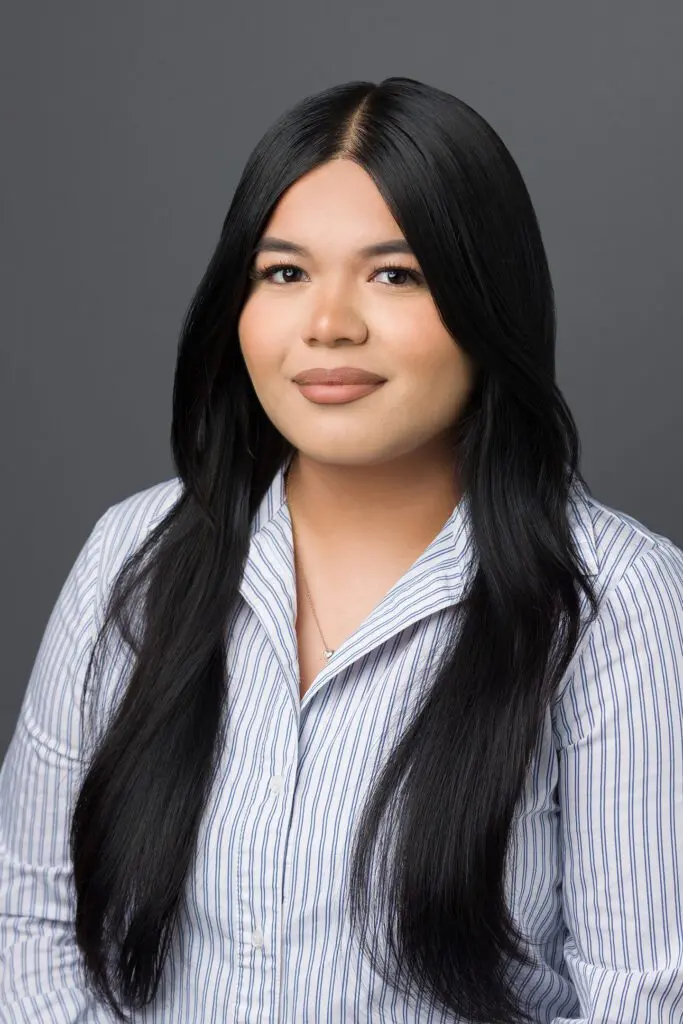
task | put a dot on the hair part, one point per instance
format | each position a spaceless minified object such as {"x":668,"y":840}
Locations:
{"x":461,"y":202}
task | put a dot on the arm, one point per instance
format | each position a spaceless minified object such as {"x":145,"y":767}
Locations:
{"x":40,"y":976}
{"x":620,"y":790}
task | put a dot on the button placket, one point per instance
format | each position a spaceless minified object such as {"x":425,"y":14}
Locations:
{"x":275,"y":785}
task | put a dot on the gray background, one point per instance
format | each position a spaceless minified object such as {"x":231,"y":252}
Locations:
{"x":124,"y":130}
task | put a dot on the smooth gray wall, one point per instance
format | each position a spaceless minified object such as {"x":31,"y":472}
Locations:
{"x":124,"y":130}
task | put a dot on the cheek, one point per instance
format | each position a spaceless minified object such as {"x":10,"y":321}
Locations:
{"x":250,"y":321}
{"x":255,"y":339}
{"x":431,"y":355}
{"x":438,"y":376}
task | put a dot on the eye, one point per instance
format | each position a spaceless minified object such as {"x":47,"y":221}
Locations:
{"x":266,"y":273}
{"x":413,"y":275}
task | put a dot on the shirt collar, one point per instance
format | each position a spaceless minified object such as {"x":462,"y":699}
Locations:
{"x":437,"y":580}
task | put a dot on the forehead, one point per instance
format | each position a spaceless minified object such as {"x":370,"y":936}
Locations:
{"x":335,"y":206}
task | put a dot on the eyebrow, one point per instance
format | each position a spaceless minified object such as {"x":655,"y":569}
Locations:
{"x":271,"y":244}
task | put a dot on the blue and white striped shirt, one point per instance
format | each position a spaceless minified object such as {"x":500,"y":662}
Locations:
{"x":595,"y":875}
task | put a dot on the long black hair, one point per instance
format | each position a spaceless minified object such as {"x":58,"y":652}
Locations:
{"x":460,"y":200}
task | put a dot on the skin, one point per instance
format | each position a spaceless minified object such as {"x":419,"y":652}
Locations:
{"x":375,"y":474}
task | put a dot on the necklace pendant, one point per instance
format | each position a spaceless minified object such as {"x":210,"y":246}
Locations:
{"x":328,"y":654}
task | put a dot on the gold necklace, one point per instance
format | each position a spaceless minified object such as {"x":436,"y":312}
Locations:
{"x":328,"y":652}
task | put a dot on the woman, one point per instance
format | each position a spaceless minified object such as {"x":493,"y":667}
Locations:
{"x":392,"y":728}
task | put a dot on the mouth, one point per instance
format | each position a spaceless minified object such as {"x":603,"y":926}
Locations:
{"x":337,"y":394}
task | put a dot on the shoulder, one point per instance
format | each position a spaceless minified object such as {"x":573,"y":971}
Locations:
{"x":636,"y":639}
{"x":126,"y":524}
{"x":50,"y":710}
{"x":612,"y":542}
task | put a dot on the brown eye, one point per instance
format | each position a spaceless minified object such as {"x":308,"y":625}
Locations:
{"x":266,"y":273}
{"x":413,"y":275}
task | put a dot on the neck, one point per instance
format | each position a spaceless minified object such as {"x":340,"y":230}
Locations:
{"x":390,"y":506}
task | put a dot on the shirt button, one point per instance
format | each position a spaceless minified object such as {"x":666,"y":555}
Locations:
{"x":257,"y":938}
{"x":275,"y":783}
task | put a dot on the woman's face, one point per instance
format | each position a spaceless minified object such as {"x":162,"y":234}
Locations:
{"x":335,"y":306}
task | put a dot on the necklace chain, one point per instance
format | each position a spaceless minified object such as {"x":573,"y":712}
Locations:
{"x":328,"y":652}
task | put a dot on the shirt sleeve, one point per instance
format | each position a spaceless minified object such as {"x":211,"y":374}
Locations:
{"x":40,"y":977}
{"x":620,"y":792}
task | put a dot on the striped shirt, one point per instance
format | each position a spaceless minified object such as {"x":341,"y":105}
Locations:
{"x":595,"y":868}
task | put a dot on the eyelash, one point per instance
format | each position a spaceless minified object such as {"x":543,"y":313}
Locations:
{"x":264,"y":273}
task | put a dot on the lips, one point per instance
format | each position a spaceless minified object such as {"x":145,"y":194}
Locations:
{"x":337,"y":375}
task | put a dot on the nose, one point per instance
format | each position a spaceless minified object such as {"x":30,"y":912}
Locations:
{"x":335,"y":320}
